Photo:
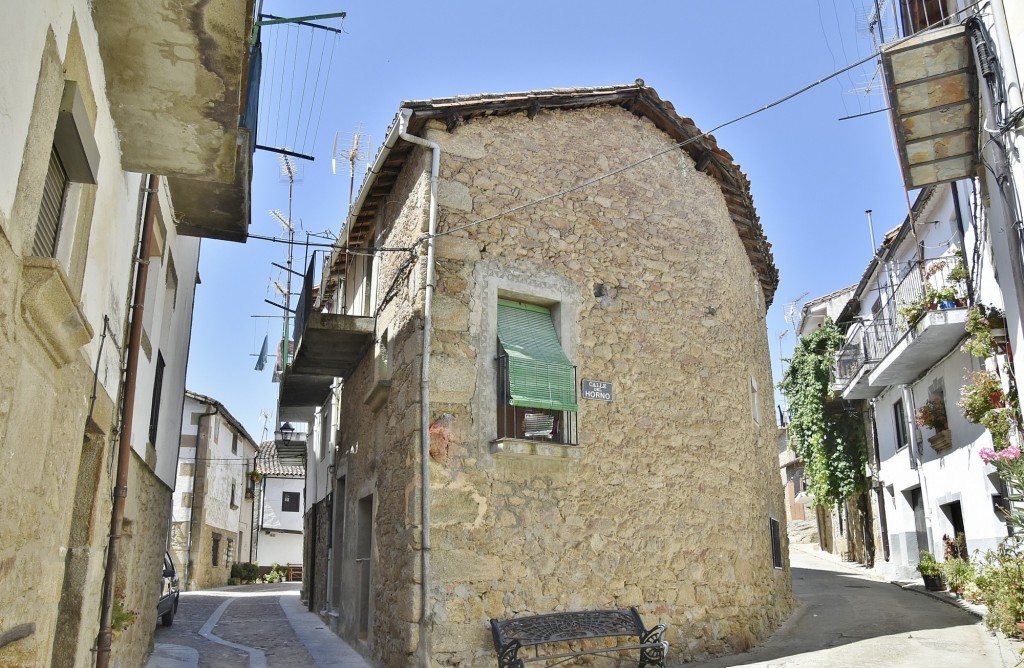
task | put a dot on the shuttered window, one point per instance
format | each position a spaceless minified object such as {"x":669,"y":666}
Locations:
{"x":52,"y":208}
{"x":539,"y":374}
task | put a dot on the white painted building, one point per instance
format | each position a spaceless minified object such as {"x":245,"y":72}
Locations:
{"x":281,"y":508}
{"x":930,"y":483}
{"x":214,"y":514}
{"x":103,"y":166}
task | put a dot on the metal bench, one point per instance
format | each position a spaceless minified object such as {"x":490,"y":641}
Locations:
{"x":512,"y":635}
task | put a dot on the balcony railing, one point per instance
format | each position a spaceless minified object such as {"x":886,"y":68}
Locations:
{"x":915,"y":293}
{"x":326,"y":345}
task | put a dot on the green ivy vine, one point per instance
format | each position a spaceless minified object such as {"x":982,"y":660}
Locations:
{"x":827,"y":436}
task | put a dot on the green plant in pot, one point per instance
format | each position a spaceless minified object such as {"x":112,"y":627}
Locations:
{"x":982,"y":393}
{"x":981,"y":320}
{"x":912,"y":311}
{"x":933,"y":415}
{"x":945,"y":297}
{"x":1000,"y":422}
{"x":931,"y":571}
{"x":958,"y":574}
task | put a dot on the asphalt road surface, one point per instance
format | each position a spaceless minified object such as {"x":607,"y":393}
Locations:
{"x":848,"y":620}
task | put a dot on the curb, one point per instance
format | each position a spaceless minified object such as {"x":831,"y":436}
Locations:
{"x":950,"y":599}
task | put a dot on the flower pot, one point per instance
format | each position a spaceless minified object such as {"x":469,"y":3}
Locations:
{"x":934,"y":582}
{"x":941,"y":441}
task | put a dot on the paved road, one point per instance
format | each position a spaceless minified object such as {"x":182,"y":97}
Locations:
{"x":849,"y":620}
{"x":254,"y":626}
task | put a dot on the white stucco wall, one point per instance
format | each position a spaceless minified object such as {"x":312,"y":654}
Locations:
{"x":273,"y":516}
{"x":279,"y":548}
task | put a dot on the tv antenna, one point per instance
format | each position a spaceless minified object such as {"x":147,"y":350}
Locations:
{"x":356,"y":155}
{"x":790,"y":313}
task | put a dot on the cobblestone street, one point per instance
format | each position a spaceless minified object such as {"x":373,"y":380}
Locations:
{"x":253,"y":626}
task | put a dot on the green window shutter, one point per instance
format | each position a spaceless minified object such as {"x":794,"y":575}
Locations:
{"x":539,"y":373}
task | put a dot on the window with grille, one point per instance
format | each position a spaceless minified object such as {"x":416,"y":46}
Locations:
{"x":51,"y":210}
{"x":918,"y":15}
{"x":536,"y":381}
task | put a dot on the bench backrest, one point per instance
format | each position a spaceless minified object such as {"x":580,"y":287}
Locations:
{"x":561,"y":626}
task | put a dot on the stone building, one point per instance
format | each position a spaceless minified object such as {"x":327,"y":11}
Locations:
{"x":213,"y":517}
{"x":591,"y":279}
{"x":108,"y":143}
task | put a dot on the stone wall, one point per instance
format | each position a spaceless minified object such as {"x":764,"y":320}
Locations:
{"x":665,"y":502}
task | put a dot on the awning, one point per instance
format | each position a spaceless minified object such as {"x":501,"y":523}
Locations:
{"x":539,"y":373}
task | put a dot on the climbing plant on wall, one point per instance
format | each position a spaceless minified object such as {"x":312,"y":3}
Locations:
{"x":826,"y":433}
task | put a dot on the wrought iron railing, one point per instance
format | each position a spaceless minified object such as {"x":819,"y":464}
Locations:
{"x":917,"y":289}
{"x":532,"y":424}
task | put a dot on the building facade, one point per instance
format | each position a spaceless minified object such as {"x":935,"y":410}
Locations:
{"x":598,"y":387}
{"x":213,"y":516}
{"x":95,"y":177}
{"x":280,"y":493}
{"x":910,"y":354}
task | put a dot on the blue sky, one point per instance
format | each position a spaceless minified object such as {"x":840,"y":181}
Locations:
{"x":812,"y":175}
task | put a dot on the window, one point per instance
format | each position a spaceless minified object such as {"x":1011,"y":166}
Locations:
{"x":290,"y":502}
{"x":536,"y":381}
{"x":900,"y":423}
{"x":234,"y":443}
{"x":187,"y":469}
{"x":51,"y":210}
{"x":158,"y":386}
{"x":918,"y":15}
{"x":74,"y":158}
{"x":776,"y":538}
{"x":234,"y":502}
{"x":215,"y":556}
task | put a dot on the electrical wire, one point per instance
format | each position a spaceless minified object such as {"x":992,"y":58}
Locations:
{"x":597,"y":179}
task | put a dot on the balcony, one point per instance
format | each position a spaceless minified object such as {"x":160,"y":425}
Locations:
{"x":932,"y":91}
{"x":327,"y":346}
{"x":916,"y":324}
{"x":924,"y":344}
{"x":855,"y":361}
{"x":923,"y":320}
{"x":178,"y":79}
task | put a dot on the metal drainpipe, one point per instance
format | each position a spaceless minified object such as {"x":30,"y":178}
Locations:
{"x":910,"y":410}
{"x":428,"y":294}
{"x":252,"y":516}
{"x":124,"y":446}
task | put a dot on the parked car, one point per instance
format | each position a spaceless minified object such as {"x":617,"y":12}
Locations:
{"x":168,"y":604}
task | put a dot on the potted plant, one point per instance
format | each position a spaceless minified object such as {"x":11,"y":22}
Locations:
{"x":982,"y":393}
{"x":931,"y":572}
{"x":912,"y":311}
{"x":1000,"y":422}
{"x":984,"y":324}
{"x":944,"y":297}
{"x":958,"y":573}
{"x":958,"y":274}
{"x":933,"y":414}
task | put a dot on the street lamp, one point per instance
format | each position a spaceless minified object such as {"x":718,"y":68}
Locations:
{"x":284,"y":433}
